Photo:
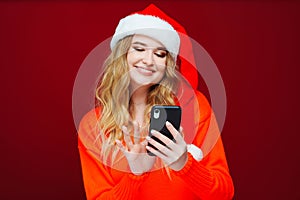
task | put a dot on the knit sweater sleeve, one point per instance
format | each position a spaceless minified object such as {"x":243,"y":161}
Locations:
{"x":98,"y":182}
{"x":208,"y":178}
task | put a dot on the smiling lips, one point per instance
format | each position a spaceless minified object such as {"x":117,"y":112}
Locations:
{"x":144,"y":70}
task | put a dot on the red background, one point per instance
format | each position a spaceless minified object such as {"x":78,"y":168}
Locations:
{"x":254,"y":44}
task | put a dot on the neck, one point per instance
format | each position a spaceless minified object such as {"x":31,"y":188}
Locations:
{"x":139,"y":96}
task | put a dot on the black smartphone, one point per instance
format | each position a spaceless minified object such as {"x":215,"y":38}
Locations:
{"x":159,"y":115}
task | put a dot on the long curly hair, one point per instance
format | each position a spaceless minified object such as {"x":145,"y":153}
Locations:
{"x":113,"y":96}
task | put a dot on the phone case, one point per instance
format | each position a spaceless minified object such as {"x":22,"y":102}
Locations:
{"x":159,"y":116}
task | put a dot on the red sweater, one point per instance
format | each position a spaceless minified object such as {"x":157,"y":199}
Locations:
{"x":207,"y":179}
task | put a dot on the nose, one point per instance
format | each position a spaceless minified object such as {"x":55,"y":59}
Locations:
{"x":148,"y":57}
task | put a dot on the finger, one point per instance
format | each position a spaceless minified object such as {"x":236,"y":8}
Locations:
{"x":162,"y":148}
{"x":127,"y":137}
{"x":167,"y":141}
{"x":156,"y":152}
{"x":176,"y":135}
{"x":144,"y":143}
{"x":136,"y":132}
{"x":120,"y":145}
{"x":181,"y":132}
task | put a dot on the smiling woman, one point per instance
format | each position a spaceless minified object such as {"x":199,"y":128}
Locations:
{"x":142,"y":71}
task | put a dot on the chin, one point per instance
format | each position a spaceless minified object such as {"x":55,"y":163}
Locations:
{"x":138,"y":84}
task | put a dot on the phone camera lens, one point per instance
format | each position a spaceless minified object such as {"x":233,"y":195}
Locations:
{"x":156,"y":113}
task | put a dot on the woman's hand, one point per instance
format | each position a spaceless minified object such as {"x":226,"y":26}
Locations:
{"x":174,"y":154}
{"x":135,"y":151}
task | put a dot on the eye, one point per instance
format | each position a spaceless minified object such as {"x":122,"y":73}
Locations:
{"x":138,"y":48}
{"x":161,"y":53}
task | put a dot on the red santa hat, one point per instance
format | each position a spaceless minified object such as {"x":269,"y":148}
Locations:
{"x":155,"y":23}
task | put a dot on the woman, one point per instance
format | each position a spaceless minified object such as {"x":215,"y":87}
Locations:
{"x":142,"y":71}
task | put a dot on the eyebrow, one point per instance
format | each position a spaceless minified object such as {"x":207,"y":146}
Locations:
{"x":145,"y":45}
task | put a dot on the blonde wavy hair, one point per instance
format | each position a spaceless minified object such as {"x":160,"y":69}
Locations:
{"x":113,"y":96}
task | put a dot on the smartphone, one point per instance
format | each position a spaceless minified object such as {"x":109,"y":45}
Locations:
{"x":159,"y":115}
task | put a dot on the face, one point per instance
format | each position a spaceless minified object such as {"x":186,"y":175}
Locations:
{"x":146,"y":58}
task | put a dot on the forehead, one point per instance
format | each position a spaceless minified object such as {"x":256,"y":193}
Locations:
{"x":147,"y":41}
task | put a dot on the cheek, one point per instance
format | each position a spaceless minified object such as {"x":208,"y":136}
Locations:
{"x":161,"y":67}
{"x":129,"y":58}
{"x":132,"y":57}
{"x":160,"y":63}
{"x":162,"y":72}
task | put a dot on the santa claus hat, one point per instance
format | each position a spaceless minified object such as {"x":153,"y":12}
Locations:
{"x":177,"y":46}
{"x":155,"y":23}
{"x":151,"y":26}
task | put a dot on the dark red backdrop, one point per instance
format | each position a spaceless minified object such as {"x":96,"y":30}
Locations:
{"x":254,"y":44}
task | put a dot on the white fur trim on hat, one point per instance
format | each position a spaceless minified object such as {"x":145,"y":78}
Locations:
{"x":148,"y":25}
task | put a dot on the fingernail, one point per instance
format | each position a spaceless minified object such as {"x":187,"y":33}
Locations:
{"x":148,"y":138}
{"x":168,"y":123}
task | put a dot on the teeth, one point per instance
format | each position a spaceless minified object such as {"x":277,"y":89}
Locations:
{"x":145,"y":69}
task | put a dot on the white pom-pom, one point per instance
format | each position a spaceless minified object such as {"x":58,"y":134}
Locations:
{"x":195,"y":151}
